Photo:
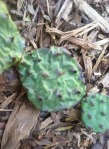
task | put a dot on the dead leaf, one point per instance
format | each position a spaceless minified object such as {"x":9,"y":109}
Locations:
{"x":22,"y":120}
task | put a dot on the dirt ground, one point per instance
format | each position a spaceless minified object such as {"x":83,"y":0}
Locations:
{"x":80,"y":26}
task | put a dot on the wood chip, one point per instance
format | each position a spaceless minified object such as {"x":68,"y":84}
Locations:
{"x":88,"y":64}
{"x":92,"y":14}
{"x":45,"y":123}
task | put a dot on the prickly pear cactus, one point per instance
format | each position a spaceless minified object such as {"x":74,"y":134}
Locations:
{"x":95,"y":112}
{"x":11,"y":43}
{"x":52,"y":79}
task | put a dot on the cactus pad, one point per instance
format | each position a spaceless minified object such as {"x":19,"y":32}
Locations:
{"x":11,"y":43}
{"x":95,"y":112}
{"x":52,"y":79}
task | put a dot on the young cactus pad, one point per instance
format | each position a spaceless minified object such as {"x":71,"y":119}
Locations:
{"x":95,"y":112}
{"x":52,"y":79}
{"x":11,"y":43}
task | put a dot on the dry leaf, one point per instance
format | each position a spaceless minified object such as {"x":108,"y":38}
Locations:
{"x":22,"y":120}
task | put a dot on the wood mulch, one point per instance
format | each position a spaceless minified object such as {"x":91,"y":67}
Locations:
{"x":80,"y":26}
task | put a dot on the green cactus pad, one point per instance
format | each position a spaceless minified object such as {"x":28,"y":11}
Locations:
{"x":95,"y":112}
{"x":11,"y":43}
{"x":52,"y":79}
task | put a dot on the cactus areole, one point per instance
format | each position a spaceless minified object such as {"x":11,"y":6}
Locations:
{"x":52,"y":79}
{"x":11,"y":42}
{"x":95,"y":112}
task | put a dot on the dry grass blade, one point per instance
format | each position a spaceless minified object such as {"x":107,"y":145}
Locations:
{"x":63,"y":128}
{"x":22,"y":120}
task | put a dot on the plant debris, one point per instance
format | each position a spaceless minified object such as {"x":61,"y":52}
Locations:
{"x":80,"y":26}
